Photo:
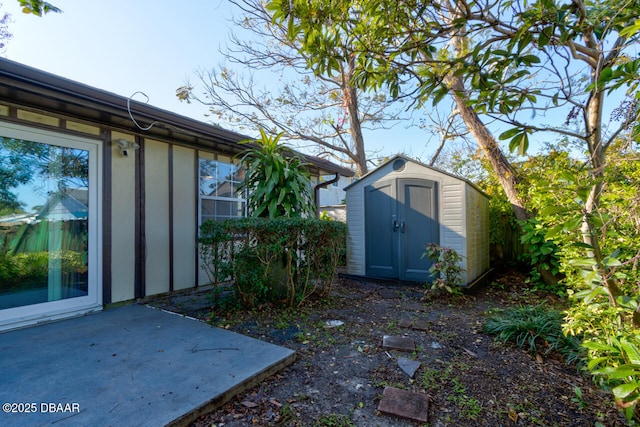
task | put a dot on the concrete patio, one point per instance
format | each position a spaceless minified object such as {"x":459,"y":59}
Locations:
{"x":131,"y":365}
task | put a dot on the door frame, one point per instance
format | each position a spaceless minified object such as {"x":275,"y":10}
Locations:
{"x":14,"y":317}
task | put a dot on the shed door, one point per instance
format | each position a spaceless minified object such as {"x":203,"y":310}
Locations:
{"x":400,"y":218}
{"x":418,"y":226}
{"x":381,"y":254}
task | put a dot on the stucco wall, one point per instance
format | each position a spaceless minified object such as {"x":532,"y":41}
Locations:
{"x":123,"y":236}
{"x":184,"y":217}
{"x":156,"y":223}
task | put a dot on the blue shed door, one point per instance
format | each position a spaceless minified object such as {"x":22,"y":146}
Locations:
{"x":400,"y":218}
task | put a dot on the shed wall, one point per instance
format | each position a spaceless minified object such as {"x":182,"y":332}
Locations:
{"x":477,"y":214}
{"x":450,"y":193}
{"x":452,"y":219}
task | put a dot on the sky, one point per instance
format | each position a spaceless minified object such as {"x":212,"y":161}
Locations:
{"x":153,"y":47}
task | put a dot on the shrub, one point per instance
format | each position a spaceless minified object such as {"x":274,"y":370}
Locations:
{"x":445,"y":270}
{"x":281,"y":260}
{"x":277,"y":181}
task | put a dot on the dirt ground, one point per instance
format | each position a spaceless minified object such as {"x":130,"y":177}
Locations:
{"x":342,"y":367}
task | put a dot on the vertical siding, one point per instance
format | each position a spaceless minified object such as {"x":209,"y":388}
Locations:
{"x":355,"y":224}
{"x":123,"y":221}
{"x":156,"y":175}
{"x":184,"y":217}
{"x":452,"y":220}
{"x":477,"y":214}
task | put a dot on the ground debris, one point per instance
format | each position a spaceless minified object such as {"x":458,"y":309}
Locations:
{"x":341,"y":373}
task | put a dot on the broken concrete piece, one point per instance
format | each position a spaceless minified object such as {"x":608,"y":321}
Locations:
{"x":408,"y":366}
{"x":387,"y":293}
{"x":417,"y":324}
{"x":405,"y":404}
{"x":406,"y":322}
{"x":398,"y":343}
{"x":333,"y":323}
{"x":414,"y":306}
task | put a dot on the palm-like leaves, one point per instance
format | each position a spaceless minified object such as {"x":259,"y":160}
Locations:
{"x":277,"y":182}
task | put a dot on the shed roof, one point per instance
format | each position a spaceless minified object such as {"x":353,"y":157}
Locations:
{"x":408,"y":159}
{"x":23,"y":85}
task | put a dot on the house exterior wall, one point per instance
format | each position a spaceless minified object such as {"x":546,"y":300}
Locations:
{"x":123,"y":221}
{"x":152,"y":208}
{"x":144,"y":205}
{"x":185,"y":175}
{"x":456,"y":200}
{"x":157,"y":231}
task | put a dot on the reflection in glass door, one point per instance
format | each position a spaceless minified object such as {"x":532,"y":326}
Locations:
{"x":47,"y":198}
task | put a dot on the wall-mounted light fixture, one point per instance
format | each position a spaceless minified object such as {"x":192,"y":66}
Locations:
{"x":126,"y":146}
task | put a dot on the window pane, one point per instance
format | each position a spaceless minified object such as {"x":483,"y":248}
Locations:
{"x":44,"y":213}
{"x":219,"y":195}
{"x":208,"y":177}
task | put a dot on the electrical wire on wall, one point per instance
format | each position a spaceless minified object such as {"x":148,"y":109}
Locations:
{"x":131,"y":115}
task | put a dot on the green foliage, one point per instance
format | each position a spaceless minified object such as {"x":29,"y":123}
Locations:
{"x":613,"y":346}
{"x":27,"y":270}
{"x":446,"y":269}
{"x":277,"y":260}
{"x":334,"y":420}
{"x":276,"y":180}
{"x":38,"y":7}
{"x":541,"y":254}
{"x":536,"y":329}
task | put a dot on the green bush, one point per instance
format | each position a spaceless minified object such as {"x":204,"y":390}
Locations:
{"x":278,"y":260}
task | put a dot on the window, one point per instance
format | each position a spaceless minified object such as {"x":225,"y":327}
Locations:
{"x":220,"y":197}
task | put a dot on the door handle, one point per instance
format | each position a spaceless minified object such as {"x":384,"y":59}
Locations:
{"x":395,"y":225}
{"x":402,"y":226}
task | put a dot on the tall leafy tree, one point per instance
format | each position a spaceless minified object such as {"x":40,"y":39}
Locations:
{"x":513,"y":69}
{"x":329,"y":112}
{"x":520,"y":71}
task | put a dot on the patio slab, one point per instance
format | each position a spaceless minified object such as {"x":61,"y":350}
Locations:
{"x":131,"y":365}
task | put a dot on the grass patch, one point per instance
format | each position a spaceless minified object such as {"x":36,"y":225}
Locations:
{"x":536,"y":329}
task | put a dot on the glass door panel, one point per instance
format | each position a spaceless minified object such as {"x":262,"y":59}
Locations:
{"x":44,"y":222}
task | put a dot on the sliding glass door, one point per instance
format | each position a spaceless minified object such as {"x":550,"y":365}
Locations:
{"x":49,"y":220}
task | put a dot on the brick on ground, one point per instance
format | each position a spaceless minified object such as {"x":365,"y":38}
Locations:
{"x":404,"y":404}
{"x":398,"y":343}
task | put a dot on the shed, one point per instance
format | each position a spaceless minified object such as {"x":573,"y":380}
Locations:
{"x":395,"y":210}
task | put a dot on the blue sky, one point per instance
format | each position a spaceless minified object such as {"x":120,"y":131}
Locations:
{"x":125,"y":46}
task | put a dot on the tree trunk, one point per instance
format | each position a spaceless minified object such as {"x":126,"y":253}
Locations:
{"x":499,"y":163}
{"x":355,"y":129}
{"x":597,"y":153}
{"x":355,"y":126}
